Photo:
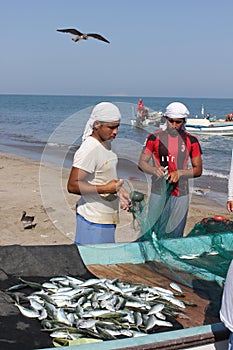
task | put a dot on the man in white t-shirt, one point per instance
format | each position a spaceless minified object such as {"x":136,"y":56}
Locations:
{"x":94,"y":177}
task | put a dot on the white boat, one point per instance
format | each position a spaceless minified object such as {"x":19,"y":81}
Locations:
{"x":207,"y":127}
{"x":142,"y":121}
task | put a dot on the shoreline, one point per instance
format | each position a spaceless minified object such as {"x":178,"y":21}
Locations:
{"x":40,"y":190}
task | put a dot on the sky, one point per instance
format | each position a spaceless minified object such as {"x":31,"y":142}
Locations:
{"x":163,"y":48}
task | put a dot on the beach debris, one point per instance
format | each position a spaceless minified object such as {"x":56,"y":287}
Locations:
{"x":70,"y":308}
{"x":81,"y":36}
{"x":189,"y":257}
{"x":27,"y":220}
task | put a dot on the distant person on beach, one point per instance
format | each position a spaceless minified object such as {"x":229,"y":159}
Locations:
{"x":230,"y":188}
{"x":226,"y":314}
{"x":94,"y":177}
{"x":165,"y":156}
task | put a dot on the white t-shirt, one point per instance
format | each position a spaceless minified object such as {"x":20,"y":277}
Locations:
{"x":230,"y":181}
{"x":101,"y":164}
{"x":226,"y":314}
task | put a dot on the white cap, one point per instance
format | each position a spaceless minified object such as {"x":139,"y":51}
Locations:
{"x":103,"y":112}
{"x":176,"y":110}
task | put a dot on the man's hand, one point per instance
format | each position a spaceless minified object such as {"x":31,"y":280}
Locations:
{"x":125,"y":201}
{"x":159,"y":171}
{"x":112,"y":186}
{"x":173,"y":177}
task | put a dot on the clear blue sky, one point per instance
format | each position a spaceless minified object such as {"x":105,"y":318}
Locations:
{"x":178,"y":48}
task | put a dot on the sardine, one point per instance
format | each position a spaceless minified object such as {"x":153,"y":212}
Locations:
{"x":31,"y":284}
{"x":176,"y":287}
{"x":31,"y":313}
{"x":156,"y":309}
{"x":35,"y":305}
{"x":87,"y":324}
{"x":61,"y":317}
{"x":105,"y":333}
{"x":99,"y":308}
{"x":151,"y":323}
{"x":174,"y":301}
{"x":163,"y":323}
{"x":43,"y":315}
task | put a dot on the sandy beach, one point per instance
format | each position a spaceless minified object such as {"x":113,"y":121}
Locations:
{"x":40,"y":190}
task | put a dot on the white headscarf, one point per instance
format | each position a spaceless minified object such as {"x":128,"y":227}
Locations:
{"x":103,"y":112}
{"x":177,"y":110}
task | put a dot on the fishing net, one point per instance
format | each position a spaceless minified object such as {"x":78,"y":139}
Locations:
{"x":204,"y":254}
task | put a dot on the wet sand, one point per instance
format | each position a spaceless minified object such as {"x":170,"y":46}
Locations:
{"x":40,"y":190}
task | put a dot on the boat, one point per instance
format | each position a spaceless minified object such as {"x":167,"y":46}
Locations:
{"x":210,"y":125}
{"x":206,"y":126}
{"x":144,"y":119}
{"x":126,"y":262}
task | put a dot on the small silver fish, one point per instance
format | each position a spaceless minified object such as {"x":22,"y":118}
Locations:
{"x":138,"y":318}
{"x":155,"y":309}
{"x":35,"y":305}
{"x":88,"y":324}
{"x":49,"y":285}
{"x":137,"y":305}
{"x":43,"y":315}
{"x":60,"y":334}
{"x":105,"y":333}
{"x":31,"y":313}
{"x":61,"y":317}
{"x":163,"y":290}
{"x":174,"y":301}
{"x":151,"y":322}
{"x":91,"y":282}
{"x":176,"y":287}
{"x":163,"y":323}
{"x":161,"y":316}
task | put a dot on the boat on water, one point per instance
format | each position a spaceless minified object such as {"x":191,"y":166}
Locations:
{"x":143,"y":119}
{"x":205,"y":126}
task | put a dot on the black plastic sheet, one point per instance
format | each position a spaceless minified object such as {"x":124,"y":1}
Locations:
{"x":37,"y":264}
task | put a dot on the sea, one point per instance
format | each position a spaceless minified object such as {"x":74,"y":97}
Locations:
{"x":49,"y":128}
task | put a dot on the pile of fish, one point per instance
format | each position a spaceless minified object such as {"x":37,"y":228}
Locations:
{"x":70,"y":308}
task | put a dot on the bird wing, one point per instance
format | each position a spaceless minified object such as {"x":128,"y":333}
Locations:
{"x":98,"y":36}
{"x":71,"y":31}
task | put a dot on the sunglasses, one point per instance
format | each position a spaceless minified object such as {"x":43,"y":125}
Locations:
{"x":174,"y":121}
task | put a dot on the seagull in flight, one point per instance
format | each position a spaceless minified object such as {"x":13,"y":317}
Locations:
{"x":81,"y":36}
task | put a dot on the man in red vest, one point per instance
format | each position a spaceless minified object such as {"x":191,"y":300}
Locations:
{"x":166,"y":156}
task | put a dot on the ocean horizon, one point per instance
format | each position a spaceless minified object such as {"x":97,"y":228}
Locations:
{"x":29,"y":123}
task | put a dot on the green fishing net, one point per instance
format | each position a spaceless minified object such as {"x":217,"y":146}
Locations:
{"x":205,"y":253}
